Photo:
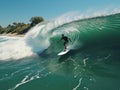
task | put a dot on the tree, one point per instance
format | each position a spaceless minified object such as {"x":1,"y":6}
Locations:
{"x":35,"y":20}
{"x":0,"y":27}
{"x":14,"y":23}
{"x":20,"y":27}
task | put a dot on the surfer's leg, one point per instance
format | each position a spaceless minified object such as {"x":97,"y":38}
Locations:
{"x":65,"y":46}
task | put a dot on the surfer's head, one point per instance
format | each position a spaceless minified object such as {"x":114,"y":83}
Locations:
{"x":62,"y":35}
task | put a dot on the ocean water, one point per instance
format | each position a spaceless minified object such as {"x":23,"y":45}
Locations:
{"x":93,"y":62}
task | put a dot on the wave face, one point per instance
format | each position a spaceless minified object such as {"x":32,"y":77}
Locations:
{"x":87,"y":33}
{"x":92,"y":62}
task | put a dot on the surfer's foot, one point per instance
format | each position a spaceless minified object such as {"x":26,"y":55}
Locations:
{"x":65,"y":50}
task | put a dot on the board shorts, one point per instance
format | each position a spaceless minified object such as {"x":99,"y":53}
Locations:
{"x":65,"y":43}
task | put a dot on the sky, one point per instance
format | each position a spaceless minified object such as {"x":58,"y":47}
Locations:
{"x":22,"y":10}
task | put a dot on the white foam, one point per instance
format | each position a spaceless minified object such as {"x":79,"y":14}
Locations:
{"x":14,"y":48}
{"x":79,"y":83}
{"x":36,"y":38}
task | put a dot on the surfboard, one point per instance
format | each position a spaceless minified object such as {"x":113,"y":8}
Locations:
{"x":63,"y":52}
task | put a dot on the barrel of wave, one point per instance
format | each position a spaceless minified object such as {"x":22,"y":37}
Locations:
{"x":73,"y":34}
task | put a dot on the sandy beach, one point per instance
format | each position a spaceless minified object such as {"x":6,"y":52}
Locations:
{"x":12,"y":34}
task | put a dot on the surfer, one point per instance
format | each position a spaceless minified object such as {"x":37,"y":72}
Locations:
{"x":66,"y":40}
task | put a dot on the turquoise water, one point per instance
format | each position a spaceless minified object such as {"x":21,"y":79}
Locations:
{"x":31,"y":62}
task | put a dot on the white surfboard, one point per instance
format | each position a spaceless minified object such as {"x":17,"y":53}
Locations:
{"x":63,"y":52}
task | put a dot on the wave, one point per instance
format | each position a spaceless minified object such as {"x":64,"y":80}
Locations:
{"x":85,"y":32}
{"x":88,"y":32}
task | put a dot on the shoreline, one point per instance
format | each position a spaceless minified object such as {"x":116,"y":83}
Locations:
{"x":12,"y":35}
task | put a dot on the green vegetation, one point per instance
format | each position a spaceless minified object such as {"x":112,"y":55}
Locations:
{"x":36,"y":20}
{"x":20,"y":28}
